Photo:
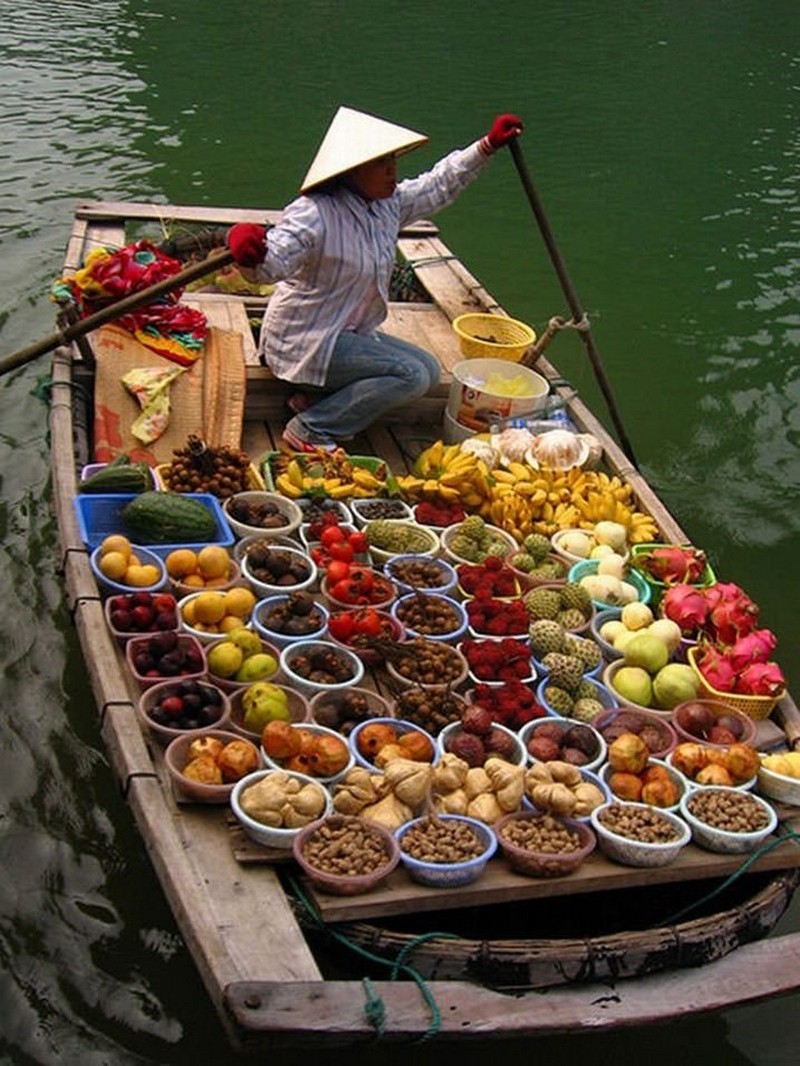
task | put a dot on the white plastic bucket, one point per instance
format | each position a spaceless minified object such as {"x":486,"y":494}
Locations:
{"x":478,"y":396}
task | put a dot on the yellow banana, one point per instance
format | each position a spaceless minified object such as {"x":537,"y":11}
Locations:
{"x":342,"y":491}
{"x":287,"y":487}
{"x":504,"y":476}
{"x":367,"y":479}
{"x":294,"y":473}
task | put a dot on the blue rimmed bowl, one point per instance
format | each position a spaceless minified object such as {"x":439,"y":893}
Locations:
{"x":448,"y":874}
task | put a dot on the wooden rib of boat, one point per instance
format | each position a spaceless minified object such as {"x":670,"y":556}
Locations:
{"x":483,"y":955}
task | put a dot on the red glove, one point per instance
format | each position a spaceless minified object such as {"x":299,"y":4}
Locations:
{"x":248,"y":243}
{"x":504,"y":129}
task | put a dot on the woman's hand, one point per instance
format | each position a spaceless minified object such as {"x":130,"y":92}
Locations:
{"x":504,"y":129}
{"x":248,"y":243}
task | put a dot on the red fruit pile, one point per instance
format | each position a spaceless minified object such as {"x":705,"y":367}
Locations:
{"x":498,"y":660}
{"x":358,"y":627}
{"x":497,"y":618}
{"x":439,"y":514}
{"x":511,"y":704}
{"x":338,"y":543}
{"x":143,"y":612}
{"x":166,"y":654}
{"x":488,"y":579}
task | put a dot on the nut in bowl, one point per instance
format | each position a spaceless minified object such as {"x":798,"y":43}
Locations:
{"x":313,"y":666}
{"x":541,"y":845}
{"x":427,"y":664}
{"x":272,"y":806}
{"x":345,"y":855}
{"x":634,"y":834}
{"x":204,"y":767}
{"x":426,"y":614}
{"x":369,"y":509}
{"x":445,"y":851}
{"x":727,"y":821}
{"x":264,"y":513}
{"x":413,"y":572}
{"x":375,"y":742}
{"x":306,"y":748}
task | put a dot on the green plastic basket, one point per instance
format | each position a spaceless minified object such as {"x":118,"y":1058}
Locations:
{"x":367,"y":462}
{"x":658,"y":588}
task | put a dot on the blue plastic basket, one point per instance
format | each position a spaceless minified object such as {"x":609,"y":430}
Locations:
{"x":99,"y":515}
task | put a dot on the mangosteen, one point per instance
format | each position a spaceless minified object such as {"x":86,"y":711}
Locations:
{"x":582,"y":738}
{"x":574,"y":756}
{"x":300,"y":603}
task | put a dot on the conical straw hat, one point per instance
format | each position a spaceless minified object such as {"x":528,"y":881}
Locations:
{"x":354,"y":138}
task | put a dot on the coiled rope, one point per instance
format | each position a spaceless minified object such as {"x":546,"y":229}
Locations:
{"x":375,"y":1008}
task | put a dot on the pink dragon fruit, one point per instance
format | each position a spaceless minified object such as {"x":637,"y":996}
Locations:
{"x":717,"y":670}
{"x":761,"y":679}
{"x":732,"y":615}
{"x":755,"y":647}
{"x":685,"y":606}
{"x":674,"y":564}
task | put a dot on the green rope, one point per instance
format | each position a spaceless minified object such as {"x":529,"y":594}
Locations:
{"x":789,"y":834}
{"x":375,"y":1008}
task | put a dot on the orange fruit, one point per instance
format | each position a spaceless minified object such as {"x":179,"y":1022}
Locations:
{"x":213,"y":561}
{"x":181,"y":562}
{"x":229,"y":623}
{"x":209,"y":607}
{"x":239,"y":601}
{"x":142,"y":576}
{"x":116,"y":542}
{"x":193,"y":581}
{"x":113,"y":565}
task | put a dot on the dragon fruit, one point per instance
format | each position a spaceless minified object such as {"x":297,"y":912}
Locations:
{"x":761,"y":679}
{"x":673,"y":564}
{"x":733,"y":615}
{"x":716,"y":668}
{"x":755,"y":647}
{"x":687,"y":607}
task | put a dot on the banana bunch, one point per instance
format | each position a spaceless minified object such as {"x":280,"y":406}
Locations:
{"x":524,"y":500}
{"x":329,"y":474}
{"x":445,"y":472}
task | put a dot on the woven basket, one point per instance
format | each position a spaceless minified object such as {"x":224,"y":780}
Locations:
{"x":755,"y":707}
{"x":493,"y":336}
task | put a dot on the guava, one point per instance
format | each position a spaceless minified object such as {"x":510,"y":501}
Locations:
{"x":646,"y":651}
{"x":224,"y":658}
{"x":257,"y":667}
{"x":264,"y":702}
{"x":633,"y":683}
{"x":673,"y":684}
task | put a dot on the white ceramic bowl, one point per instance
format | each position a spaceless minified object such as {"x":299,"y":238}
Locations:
{"x":458,"y":673}
{"x":632,"y":852}
{"x":288,"y":508}
{"x":241,"y":547}
{"x":779,"y":787}
{"x":451,"y":636}
{"x":742,"y":786}
{"x":449,"y":578}
{"x":203,"y":635}
{"x":359,"y":509}
{"x":527,"y":732}
{"x":557,"y":541}
{"x":447,"y":535}
{"x":518,"y":759}
{"x":608,"y":680}
{"x":606,"y":771}
{"x":280,"y":639}
{"x":311,"y":688}
{"x":380,"y":556}
{"x":712,"y":838}
{"x":114,"y":588}
{"x":266,"y":588}
{"x":270,"y":836}
{"x":446,"y":874}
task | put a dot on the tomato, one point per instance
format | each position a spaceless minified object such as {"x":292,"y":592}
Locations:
{"x":320,"y":556}
{"x":364,"y":577}
{"x":341,"y":626}
{"x":358,"y":542}
{"x":368,"y":622}
{"x":337,"y":570}
{"x":331,"y":535}
{"x":345,"y":591}
{"x":342,"y":551}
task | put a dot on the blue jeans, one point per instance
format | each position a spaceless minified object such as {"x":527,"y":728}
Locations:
{"x":367,"y":376}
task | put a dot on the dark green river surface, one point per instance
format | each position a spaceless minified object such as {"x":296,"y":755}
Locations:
{"x":664,"y":141}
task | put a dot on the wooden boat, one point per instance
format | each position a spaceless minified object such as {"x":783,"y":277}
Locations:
{"x":472,"y":964}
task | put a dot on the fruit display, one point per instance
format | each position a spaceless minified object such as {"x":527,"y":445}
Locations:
{"x":216,"y":613}
{"x":258,"y":511}
{"x":654,"y":784}
{"x":296,"y":615}
{"x":558,"y":787}
{"x":198,"y":466}
{"x":188,"y":704}
{"x":536,"y":560}
{"x":426,"y":662}
{"x":510,"y":703}
{"x":367,"y":631}
{"x":163,"y":655}
{"x":307,"y":749}
{"x":263,"y":702}
{"x":367,"y":510}
{"x":728,"y":810}
{"x":672,"y":564}
{"x":507,"y":659}
{"x":208,"y":567}
{"x":121,"y":475}
{"x":211,"y":761}
{"x":476,"y":738}
{"x":645,"y":677}
{"x":491,"y":578}
{"x":712,"y":722}
{"x":656,"y":733}
{"x":334,"y":474}
{"x":642,"y":824}
{"x":474,"y":541}
{"x":389,"y":798}
{"x":142,"y":612}
{"x":321,"y":663}
{"x":608,"y":581}
{"x":273,"y":566}
{"x":441,"y":841}
{"x":430,"y":709}
{"x":733,"y":766}
{"x":562,"y":741}
{"x":497,"y":618}
{"x":380,"y":741}
{"x":399,"y":538}
{"x":122,"y":563}
{"x":332,"y":541}
{"x":485,"y":792}
{"x":786,"y":763}
{"x":541,"y":845}
{"x":346,"y":854}
{"x":241,"y":658}
{"x":430,"y":513}
{"x":155,"y":517}
{"x":343,"y":710}
{"x":282,"y":801}
{"x":420,"y":571}
{"x":568,"y":604}
{"x":636,"y":618}
{"x":426,"y":615}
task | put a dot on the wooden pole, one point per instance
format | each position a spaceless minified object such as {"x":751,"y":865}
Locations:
{"x":578,"y":316}
{"x":215,"y":261}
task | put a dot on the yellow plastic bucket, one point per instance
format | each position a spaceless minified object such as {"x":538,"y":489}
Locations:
{"x":483,"y":336}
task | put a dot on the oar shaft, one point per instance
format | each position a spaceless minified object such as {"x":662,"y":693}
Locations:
{"x":215,"y":261}
{"x":570,"y":294}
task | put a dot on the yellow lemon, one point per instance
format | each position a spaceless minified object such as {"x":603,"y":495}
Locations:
{"x":239,"y":601}
{"x":181,"y":562}
{"x":116,"y":542}
{"x":193,"y":581}
{"x":188,"y":613}
{"x":224,"y":658}
{"x":209,"y":607}
{"x":213,"y":561}
{"x":142,"y":576}
{"x":230,"y":624}
{"x":113,"y":565}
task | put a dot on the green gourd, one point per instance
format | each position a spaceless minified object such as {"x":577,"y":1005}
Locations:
{"x":120,"y":475}
{"x":168,"y":518}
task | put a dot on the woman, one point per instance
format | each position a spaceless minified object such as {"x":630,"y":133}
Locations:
{"x":332,"y":255}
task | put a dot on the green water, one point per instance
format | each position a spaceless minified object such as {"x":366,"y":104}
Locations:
{"x":663,"y":141}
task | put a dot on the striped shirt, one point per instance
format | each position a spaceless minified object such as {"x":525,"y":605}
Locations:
{"x":332,"y":255}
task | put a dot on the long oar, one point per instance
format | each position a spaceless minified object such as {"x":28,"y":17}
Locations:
{"x":215,"y":261}
{"x":572,"y":298}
